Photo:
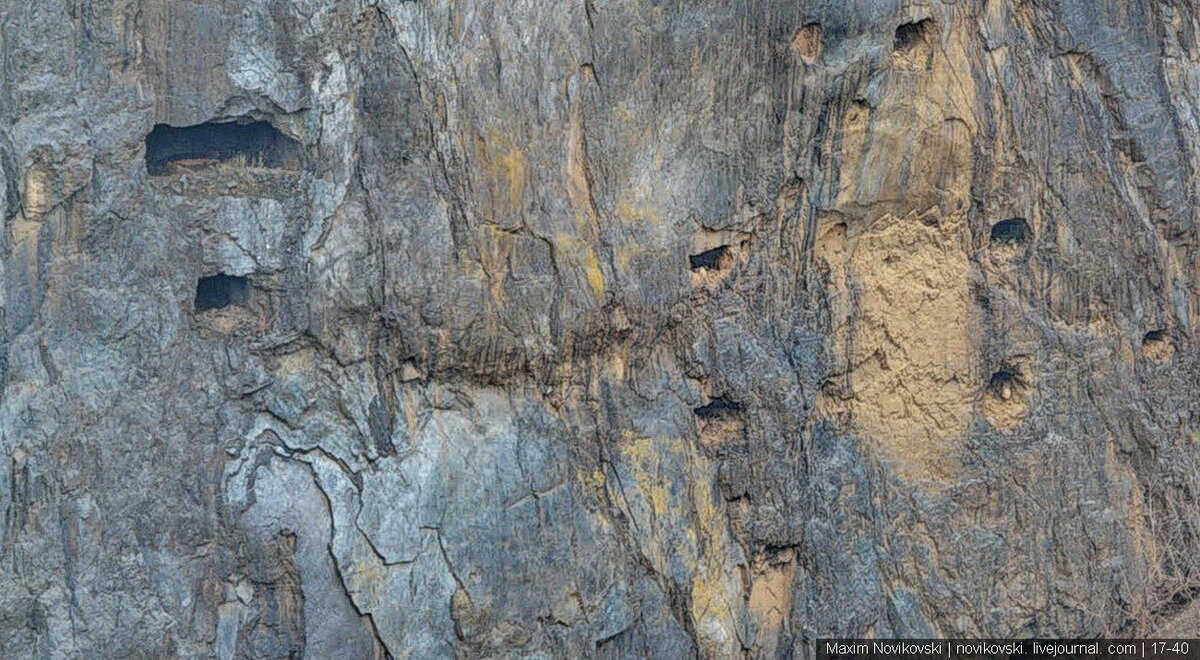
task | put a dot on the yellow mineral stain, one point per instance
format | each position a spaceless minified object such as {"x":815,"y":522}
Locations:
{"x":495,"y":244}
{"x":579,"y":192}
{"x":703,"y":543}
{"x":807,"y":42}
{"x":910,"y":390}
{"x":505,"y":167}
{"x":410,"y":409}
{"x":580,"y":253}
{"x":25,"y":233}
{"x":638,"y":210}
{"x":716,"y":593}
{"x":896,"y":249}
{"x":512,"y":164}
{"x":593,"y":479}
{"x":771,"y":598}
{"x":36,"y":197}
{"x":714,"y":598}
{"x":579,"y":183}
{"x":625,"y":255}
{"x":594,"y":276}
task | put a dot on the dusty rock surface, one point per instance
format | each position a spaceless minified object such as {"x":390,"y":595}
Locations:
{"x":613,"y":329}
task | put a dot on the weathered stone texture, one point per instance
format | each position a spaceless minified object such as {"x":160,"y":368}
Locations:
{"x":597,"y":328}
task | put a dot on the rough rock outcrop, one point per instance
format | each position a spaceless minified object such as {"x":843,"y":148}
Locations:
{"x":595,"y":328}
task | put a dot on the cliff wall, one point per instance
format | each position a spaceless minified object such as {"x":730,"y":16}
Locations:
{"x":600,"y":328}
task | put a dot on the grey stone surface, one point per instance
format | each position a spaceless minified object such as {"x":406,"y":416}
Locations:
{"x":457,"y":414}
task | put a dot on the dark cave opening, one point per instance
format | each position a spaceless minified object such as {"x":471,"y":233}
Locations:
{"x":1002,"y":383}
{"x":718,"y":408}
{"x":221,"y":290}
{"x":1014,"y":231}
{"x":1156,"y":346}
{"x":171,"y":149}
{"x":710,"y":259}
{"x":912,"y":35}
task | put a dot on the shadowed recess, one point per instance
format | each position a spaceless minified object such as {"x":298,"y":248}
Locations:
{"x":220,"y":291}
{"x":242,"y":143}
{"x":911,"y":35}
{"x":1001,"y":384}
{"x":719,"y":407}
{"x":1156,"y":346}
{"x":710,"y":259}
{"x":1014,"y":231}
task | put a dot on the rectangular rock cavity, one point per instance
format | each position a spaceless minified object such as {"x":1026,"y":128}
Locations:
{"x":173,"y":150}
{"x":221,"y":290}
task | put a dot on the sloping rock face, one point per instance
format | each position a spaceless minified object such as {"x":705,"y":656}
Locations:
{"x":594,"y":328}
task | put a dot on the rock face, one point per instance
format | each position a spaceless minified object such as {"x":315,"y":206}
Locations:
{"x":666,"y":329}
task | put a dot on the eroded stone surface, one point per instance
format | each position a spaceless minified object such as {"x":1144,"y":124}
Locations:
{"x":461,"y":410}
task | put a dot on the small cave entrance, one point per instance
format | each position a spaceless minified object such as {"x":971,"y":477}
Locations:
{"x":714,"y":259}
{"x":718,"y":408}
{"x":1011,"y":232}
{"x":1156,"y":346}
{"x":217,"y":291}
{"x":1009,"y":241}
{"x":239,"y":144}
{"x":1001,"y":384}
{"x":720,"y":422}
{"x":1006,"y":397}
{"x":912,"y":47}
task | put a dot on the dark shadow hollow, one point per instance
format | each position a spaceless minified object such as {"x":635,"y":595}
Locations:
{"x":910,"y":35}
{"x":220,"y":291}
{"x":718,"y":407}
{"x":709,"y":258}
{"x":251,"y":143}
{"x":1013,"y":231}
